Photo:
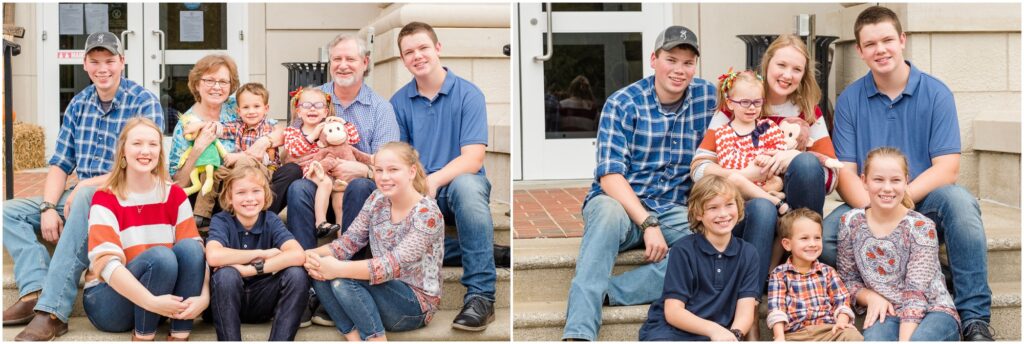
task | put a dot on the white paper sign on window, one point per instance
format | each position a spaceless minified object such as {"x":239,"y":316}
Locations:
{"x":71,"y":19}
{"x":191,"y":26}
{"x":96,"y":18}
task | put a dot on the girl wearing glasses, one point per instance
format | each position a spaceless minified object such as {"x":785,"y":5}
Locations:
{"x":314,"y":110}
{"x":743,"y":143}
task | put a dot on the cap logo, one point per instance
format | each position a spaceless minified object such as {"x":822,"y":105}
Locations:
{"x":682,"y":35}
{"x":99,"y":39}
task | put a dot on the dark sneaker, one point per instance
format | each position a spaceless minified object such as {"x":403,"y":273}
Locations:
{"x":307,"y":318}
{"x":978,"y":331}
{"x":320,"y":317}
{"x":475,"y":315}
{"x":502,"y":256}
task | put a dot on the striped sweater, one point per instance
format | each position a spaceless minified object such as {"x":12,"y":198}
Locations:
{"x":121,"y":229}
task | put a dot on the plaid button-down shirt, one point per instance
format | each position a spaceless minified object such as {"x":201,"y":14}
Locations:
{"x":88,"y":136}
{"x":372,"y":115}
{"x":245,"y":137}
{"x":803,"y":299}
{"x":638,"y":139}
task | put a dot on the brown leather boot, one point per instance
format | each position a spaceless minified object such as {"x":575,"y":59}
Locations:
{"x":135,"y":338}
{"x":21,"y":312}
{"x":44,"y":327}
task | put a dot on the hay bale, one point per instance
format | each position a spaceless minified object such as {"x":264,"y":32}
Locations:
{"x":29,"y":146}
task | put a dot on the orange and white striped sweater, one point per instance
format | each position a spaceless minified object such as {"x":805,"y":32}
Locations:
{"x":121,"y":229}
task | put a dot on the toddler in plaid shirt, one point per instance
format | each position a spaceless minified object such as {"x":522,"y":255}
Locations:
{"x":806,"y":299}
{"x":253,"y":132}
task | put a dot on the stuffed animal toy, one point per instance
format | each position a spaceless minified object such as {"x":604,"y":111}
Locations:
{"x":335,"y":142}
{"x":209,"y":159}
{"x":796,"y":135}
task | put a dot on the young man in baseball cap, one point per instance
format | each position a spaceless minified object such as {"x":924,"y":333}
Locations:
{"x":85,"y":145}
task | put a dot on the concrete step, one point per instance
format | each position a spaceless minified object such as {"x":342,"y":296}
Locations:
{"x":544,"y":320}
{"x":451,"y":294}
{"x":81,"y":330}
{"x":544,"y":267}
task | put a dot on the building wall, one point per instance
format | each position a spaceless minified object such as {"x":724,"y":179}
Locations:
{"x":472,"y":37}
{"x":975,"y":50}
{"x":289,"y":32}
{"x":23,"y":67}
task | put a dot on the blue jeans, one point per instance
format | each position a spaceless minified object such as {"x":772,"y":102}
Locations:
{"x":958,"y":219}
{"x":281,"y":296}
{"x":179,"y":271}
{"x":300,"y":208}
{"x":804,"y":184}
{"x":370,"y":309}
{"x":33,"y":269}
{"x":607,"y":231}
{"x":465,"y":203}
{"x":935,"y":327}
{"x":758,"y":229}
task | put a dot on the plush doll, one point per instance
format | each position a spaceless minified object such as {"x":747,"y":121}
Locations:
{"x":796,"y":135}
{"x":335,"y":143}
{"x":209,"y":160}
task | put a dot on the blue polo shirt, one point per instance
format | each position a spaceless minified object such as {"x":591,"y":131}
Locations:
{"x":268,"y":232}
{"x":707,"y":281}
{"x":921,"y":121}
{"x":439,"y":127}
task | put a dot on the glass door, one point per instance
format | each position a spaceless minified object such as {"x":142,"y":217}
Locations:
{"x":65,"y":26}
{"x":595,"y":49}
{"x":179,"y":34}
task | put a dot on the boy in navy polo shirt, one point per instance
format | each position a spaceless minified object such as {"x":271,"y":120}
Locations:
{"x":711,"y":285}
{"x":445,"y":118}
{"x":258,"y":263}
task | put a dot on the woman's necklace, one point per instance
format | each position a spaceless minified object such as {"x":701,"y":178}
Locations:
{"x":139,"y":208}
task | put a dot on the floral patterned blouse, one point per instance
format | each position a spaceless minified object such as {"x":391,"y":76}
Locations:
{"x":410,"y":251}
{"x":903,"y":266}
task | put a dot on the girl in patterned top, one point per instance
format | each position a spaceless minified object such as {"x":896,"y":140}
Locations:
{"x":314,"y":109}
{"x":146,"y":257}
{"x":743,"y":144}
{"x":400,"y":288}
{"x":888,"y":258}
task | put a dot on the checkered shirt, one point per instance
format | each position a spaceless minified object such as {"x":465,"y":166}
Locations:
{"x":651,"y":148}
{"x":803,"y":299}
{"x":88,"y":136}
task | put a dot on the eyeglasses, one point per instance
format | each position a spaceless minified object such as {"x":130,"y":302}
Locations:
{"x":311,"y":105}
{"x":748,"y":102}
{"x":212,"y":83}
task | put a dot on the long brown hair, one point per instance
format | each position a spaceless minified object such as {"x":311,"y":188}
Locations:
{"x":117,"y":182}
{"x":895,"y":154}
{"x":704,"y":191}
{"x":807,"y":94}
{"x":410,"y":156}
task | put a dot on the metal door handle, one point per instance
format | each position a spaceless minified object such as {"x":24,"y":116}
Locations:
{"x":163,"y":46}
{"x":551,"y":44}
{"x":123,"y":39}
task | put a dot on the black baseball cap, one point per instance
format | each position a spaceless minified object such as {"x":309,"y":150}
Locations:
{"x":674,"y":36}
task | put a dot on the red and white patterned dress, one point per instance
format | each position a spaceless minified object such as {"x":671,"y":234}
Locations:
{"x":735,"y":151}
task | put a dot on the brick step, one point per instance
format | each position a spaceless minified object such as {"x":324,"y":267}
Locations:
{"x":81,"y":330}
{"x":544,"y":320}
{"x":451,"y":294}
{"x":544,"y":267}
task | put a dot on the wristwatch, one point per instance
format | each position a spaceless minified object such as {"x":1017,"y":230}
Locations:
{"x":737,"y":333}
{"x":258,"y":264}
{"x":651,"y":221}
{"x":43,"y":207}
